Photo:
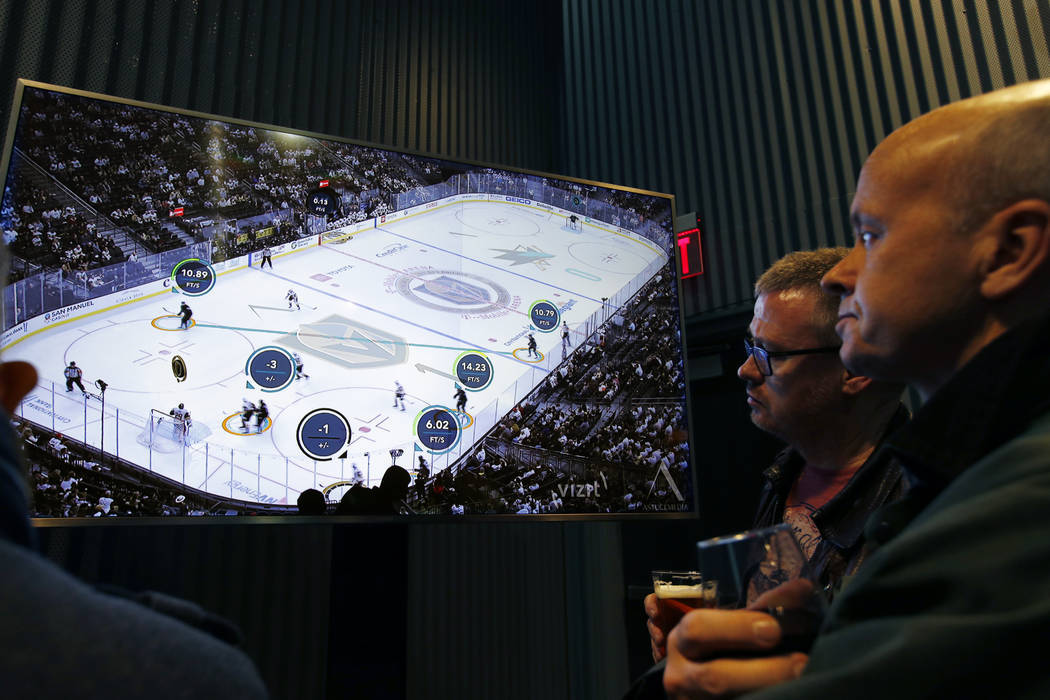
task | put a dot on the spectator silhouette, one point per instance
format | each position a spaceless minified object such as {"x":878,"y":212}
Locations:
{"x":311,"y":502}
{"x":384,"y":499}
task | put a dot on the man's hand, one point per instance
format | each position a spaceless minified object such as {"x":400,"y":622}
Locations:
{"x":697,"y":648}
{"x":661,"y":621}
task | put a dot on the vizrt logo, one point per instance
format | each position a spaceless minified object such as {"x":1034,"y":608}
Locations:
{"x":574,"y":490}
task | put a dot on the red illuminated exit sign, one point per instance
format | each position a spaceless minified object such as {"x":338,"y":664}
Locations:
{"x":690,"y":253}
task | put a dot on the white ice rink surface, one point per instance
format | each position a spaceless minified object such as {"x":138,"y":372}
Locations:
{"x":483,"y":264}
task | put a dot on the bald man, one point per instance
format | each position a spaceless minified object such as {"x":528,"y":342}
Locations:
{"x":947,"y":288}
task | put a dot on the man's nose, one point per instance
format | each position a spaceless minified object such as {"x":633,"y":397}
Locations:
{"x":748,"y":370}
{"x":840,"y":279}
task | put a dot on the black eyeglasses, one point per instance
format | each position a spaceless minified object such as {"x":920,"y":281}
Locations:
{"x":763,"y":357}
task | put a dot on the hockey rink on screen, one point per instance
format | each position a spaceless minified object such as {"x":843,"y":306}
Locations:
{"x":398,"y":302}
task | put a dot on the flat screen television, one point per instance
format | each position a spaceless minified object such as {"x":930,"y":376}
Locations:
{"x":227,"y":315}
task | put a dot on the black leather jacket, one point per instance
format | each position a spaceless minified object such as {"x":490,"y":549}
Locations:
{"x":841,"y":520}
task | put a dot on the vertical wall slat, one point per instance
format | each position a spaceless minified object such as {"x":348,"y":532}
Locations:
{"x":777,"y":104}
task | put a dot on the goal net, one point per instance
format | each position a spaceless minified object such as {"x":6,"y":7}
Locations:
{"x":166,"y":433}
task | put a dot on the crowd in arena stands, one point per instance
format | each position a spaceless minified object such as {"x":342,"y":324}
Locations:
{"x":37,"y":228}
{"x":644,"y":436}
{"x":649,"y":367}
{"x":633,"y":355}
{"x":490,"y":483}
{"x":371,"y":170}
{"x":652,"y":209}
{"x":143,"y":165}
{"x":136,"y":167}
{"x":562,"y":428}
{"x":155,"y":238}
{"x":68,"y":481}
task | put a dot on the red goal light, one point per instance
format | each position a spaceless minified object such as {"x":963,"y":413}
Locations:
{"x":690,"y":254}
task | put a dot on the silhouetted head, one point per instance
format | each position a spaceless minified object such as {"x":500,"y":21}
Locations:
{"x":311,"y":502}
{"x":395,"y":483}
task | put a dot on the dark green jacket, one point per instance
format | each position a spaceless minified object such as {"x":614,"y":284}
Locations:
{"x":953,"y":601}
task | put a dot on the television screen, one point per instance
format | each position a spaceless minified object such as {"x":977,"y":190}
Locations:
{"x":228,"y":318}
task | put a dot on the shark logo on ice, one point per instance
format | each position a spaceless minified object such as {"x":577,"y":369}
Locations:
{"x":524,"y":254}
{"x":347,"y":342}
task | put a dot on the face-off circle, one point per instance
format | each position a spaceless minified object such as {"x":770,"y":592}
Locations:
{"x":497,"y":221}
{"x":607,"y":258}
{"x":453,"y":291}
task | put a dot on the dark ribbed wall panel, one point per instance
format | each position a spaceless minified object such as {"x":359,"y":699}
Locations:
{"x":757,"y":114}
{"x":475,"y":80}
{"x":486,"y":611}
{"x":516,"y":611}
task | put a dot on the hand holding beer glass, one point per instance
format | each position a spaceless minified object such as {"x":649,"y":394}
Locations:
{"x":765,"y":570}
{"x":674,"y":594}
{"x":761,"y":570}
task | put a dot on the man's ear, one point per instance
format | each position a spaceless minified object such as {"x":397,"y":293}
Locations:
{"x":853,"y":384}
{"x":1016,"y":249}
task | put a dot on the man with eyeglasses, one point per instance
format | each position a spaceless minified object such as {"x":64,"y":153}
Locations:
{"x":823,"y":483}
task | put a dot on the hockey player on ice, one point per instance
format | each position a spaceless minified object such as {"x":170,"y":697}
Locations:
{"x":532,"y":346}
{"x":182,"y":418}
{"x":185,"y":313}
{"x":261,"y":413}
{"x":73,"y":376}
{"x":247,"y":410}
{"x":461,"y":400}
{"x":299,"y":374}
{"x":399,"y":394}
{"x":180,"y":413}
{"x":292,"y":298}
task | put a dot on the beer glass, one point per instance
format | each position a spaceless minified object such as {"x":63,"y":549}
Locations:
{"x":683,"y":590}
